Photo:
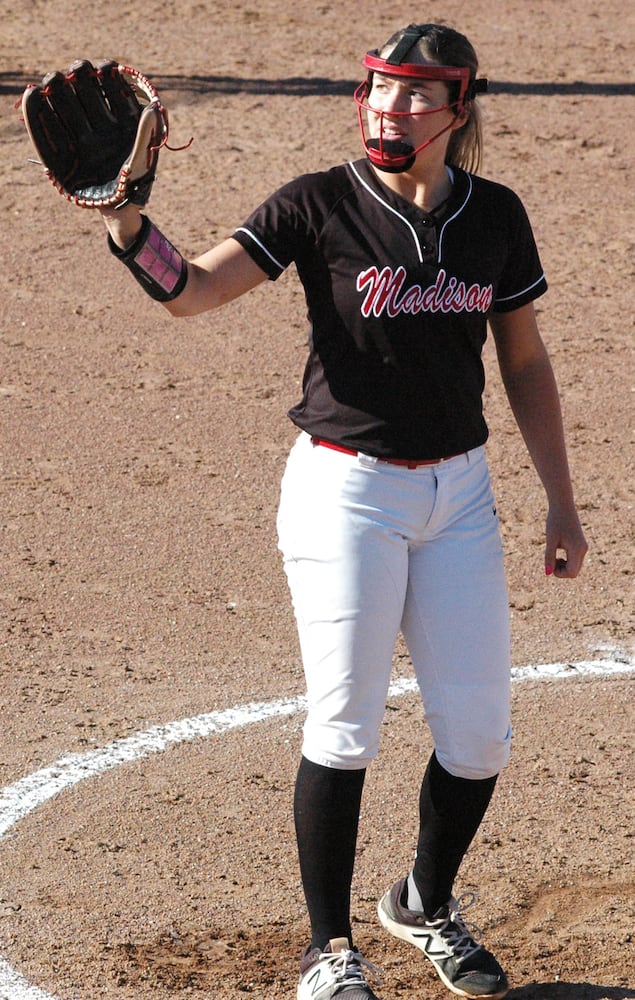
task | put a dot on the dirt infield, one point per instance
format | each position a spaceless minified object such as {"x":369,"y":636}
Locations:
{"x":140,"y":459}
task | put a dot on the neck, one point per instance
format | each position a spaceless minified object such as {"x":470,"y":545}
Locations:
{"x":424,"y":188}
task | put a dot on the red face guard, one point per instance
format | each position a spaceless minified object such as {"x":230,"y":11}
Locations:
{"x":395,"y":156}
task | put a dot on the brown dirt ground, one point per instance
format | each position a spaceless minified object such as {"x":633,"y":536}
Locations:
{"x":140,"y":460}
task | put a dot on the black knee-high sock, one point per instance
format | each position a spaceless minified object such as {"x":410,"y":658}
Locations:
{"x":450,"y":812}
{"x":326,"y":813}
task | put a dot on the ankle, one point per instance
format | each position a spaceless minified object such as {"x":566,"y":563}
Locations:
{"x":414,"y":899}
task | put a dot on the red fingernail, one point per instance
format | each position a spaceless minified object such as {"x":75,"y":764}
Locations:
{"x":548,"y":570}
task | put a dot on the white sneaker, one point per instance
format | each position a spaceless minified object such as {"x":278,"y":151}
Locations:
{"x":338,"y":971}
{"x":461,"y":963}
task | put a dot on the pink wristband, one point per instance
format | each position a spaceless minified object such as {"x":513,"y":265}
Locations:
{"x":154,"y":261}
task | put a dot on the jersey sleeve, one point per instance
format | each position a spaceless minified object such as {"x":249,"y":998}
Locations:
{"x":281,"y":229}
{"x":523,"y":278}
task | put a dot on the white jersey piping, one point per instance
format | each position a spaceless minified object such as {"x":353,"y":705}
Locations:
{"x":458,"y":211}
{"x":248,"y":232}
{"x":516,"y":295}
{"x":403,"y":218}
{"x":390,"y":209}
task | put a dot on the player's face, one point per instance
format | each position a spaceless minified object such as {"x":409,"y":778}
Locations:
{"x":407,"y":109}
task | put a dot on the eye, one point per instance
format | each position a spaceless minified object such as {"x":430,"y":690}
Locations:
{"x":417,"y":94}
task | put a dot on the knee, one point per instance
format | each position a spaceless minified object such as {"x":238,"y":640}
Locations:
{"x":484,"y":757}
{"x":341,"y":747}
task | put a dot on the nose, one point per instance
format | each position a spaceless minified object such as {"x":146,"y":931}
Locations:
{"x":390,"y":100}
{"x":395,"y":102}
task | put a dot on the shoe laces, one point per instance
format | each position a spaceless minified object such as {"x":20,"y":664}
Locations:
{"x":461,"y":937}
{"x":349,"y":966}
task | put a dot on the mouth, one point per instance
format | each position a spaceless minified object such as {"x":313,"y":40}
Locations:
{"x":392,"y":133}
{"x":389,"y":132}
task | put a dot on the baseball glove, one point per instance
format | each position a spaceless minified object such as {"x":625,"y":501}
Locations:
{"x":97,"y":131}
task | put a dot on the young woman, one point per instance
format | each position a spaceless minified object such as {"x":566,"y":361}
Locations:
{"x":387,"y":520}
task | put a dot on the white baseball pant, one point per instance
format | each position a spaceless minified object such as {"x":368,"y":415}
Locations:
{"x":370,"y":549}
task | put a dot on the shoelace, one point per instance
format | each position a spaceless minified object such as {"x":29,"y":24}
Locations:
{"x":454,"y":928}
{"x":348,"y":966}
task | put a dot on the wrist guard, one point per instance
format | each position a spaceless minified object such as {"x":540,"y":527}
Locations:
{"x":156,"y":264}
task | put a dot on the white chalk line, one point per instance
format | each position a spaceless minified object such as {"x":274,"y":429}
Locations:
{"x":23,"y":796}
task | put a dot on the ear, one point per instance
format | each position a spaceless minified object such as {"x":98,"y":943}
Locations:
{"x":462,"y":115}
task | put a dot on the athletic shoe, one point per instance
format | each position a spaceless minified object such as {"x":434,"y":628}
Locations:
{"x":462,"y":964}
{"x":338,"y":972}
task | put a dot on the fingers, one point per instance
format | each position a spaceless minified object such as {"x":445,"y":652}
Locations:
{"x":58,"y":89}
{"x":85,"y":81}
{"x":564,"y":559}
{"x":563,"y":568}
{"x":54,"y":144}
{"x":120,"y":95}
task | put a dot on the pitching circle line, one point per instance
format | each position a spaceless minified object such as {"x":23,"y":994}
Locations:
{"x":23,"y":796}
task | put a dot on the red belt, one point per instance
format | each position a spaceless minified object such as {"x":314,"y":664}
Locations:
{"x":408,"y":463}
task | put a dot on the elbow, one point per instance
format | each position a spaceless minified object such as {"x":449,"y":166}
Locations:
{"x":188,"y":300}
{"x":186,"y":305}
{"x":197,"y":295}
{"x":178,"y":309}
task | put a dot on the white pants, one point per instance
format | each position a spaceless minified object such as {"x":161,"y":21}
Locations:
{"x":371,"y":549}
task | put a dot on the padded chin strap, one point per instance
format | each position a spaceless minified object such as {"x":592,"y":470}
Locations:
{"x":391,"y":155}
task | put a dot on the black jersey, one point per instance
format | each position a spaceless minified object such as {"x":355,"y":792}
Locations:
{"x":398,"y":301}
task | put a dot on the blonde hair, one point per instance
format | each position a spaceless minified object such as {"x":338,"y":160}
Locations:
{"x":447,"y":47}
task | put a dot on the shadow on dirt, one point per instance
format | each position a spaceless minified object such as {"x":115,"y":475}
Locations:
{"x":315,"y":86}
{"x":570,"y":991}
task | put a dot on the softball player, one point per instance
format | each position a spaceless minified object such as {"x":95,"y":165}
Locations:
{"x":387,"y":520}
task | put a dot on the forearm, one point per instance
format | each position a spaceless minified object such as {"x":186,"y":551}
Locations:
{"x":533,"y":396}
{"x":184,"y":288}
{"x":535,"y":403}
